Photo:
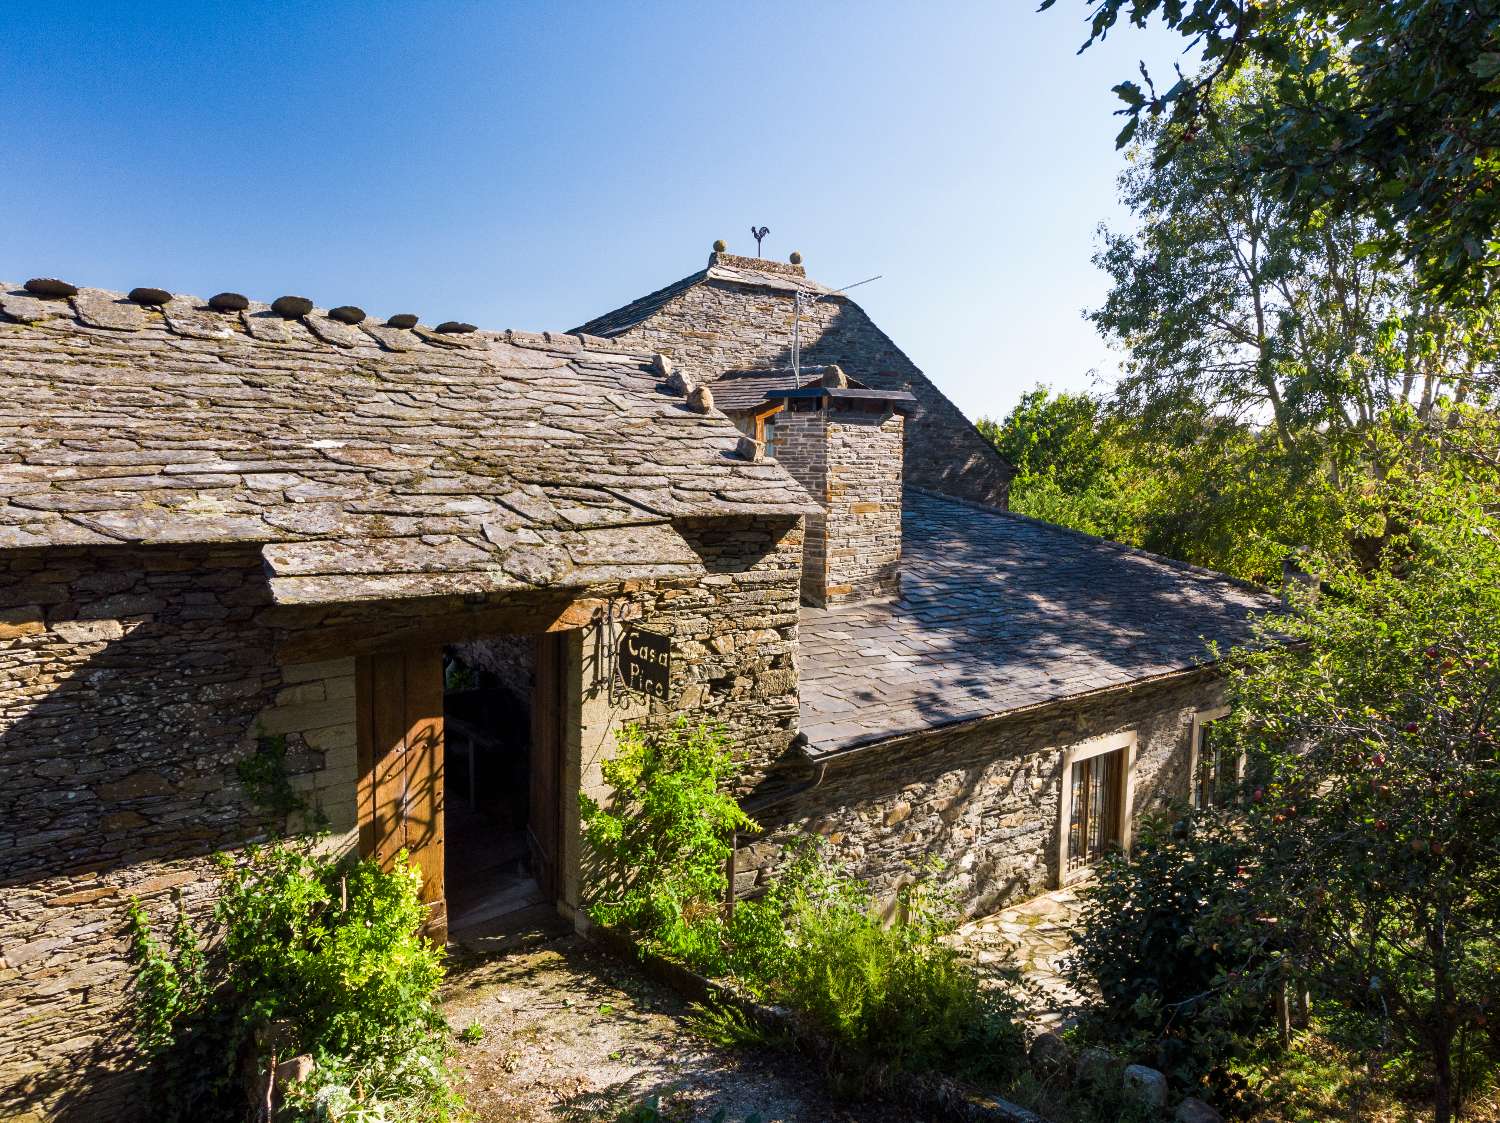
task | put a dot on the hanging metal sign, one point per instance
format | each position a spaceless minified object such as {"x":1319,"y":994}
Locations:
{"x":644,"y":663}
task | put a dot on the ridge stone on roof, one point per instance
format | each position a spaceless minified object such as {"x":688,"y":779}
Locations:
{"x":721,"y":267}
{"x":368,"y":461}
{"x":998,"y":613}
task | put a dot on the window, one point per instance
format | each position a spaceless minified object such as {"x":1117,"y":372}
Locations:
{"x":1216,"y":770}
{"x":765,"y":429}
{"x":1097,"y":778}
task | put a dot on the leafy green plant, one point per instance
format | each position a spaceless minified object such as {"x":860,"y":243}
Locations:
{"x":662,"y":844}
{"x":888,"y":997}
{"x":267,"y":784}
{"x":1160,"y":944}
{"x":309,"y":955}
{"x":891,"y":997}
{"x":472,"y":1034}
{"x":651,"y":1111}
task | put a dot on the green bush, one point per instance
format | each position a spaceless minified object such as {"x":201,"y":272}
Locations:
{"x":1163,"y":943}
{"x":662,"y":844}
{"x":888,"y":997}
{"x":309,"y":955}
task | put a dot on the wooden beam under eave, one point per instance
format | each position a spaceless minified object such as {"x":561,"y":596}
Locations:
{"x":377,"y":630}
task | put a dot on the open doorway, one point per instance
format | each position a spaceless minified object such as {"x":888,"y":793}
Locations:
{"x":500,"y":780}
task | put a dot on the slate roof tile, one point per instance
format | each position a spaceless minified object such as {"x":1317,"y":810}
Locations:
{"x":368,"y":461}
{"x":1002,"y":612}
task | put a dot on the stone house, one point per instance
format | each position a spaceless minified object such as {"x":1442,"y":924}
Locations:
{"x":406,"y":570}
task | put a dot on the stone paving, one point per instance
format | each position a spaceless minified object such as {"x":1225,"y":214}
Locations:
{"x":1034,"y":936}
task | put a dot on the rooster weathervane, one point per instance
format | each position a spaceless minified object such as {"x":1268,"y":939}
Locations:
{"x":758,"y":233}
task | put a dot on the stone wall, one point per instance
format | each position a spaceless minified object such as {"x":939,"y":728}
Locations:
{"x":982,"y":798}
{"x":131,"y":683}
{"x":719,"y":325}
{"x":850,"y":462}
{"x":134,"y":681}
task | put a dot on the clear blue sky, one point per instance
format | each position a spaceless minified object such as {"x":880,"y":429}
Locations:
{"x":533,"y":165}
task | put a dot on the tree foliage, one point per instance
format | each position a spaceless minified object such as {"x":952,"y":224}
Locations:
{"x":1376,"y":832}
{"x":1275,"y":381}
{"x":1227,"y":301}
{"x":1387,"y":112}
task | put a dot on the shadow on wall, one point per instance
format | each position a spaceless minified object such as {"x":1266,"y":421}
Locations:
{"x":123,"y":721}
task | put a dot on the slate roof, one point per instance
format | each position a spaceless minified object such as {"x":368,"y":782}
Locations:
{"x":738,"y":390}
{"x":771,"y":275}
{"x":369,"y":461}
{"x":999,"y":612}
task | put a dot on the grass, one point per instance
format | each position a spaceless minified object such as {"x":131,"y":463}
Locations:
{"x":1318,"y":1080}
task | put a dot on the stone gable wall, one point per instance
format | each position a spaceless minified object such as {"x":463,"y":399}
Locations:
{"x":132,"y":683}
{"x":983,"y":799}
{"x":719,"y":325}
{"x":850,"y":462}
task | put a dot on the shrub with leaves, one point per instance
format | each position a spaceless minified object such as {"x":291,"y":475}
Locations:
{"x":888,"y":997}
{"x":1377,"y":832}
{"x":309,"y":955}
{"x":663,"y":842}
{"x":891,"y":997}
{"x":1159,"y":943}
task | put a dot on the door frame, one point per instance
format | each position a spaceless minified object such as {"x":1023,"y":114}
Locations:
{"x":1086,"y":750}
{"x":544,"y":814}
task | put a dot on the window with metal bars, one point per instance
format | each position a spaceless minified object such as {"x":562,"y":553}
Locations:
{"x":1094,"y":816}
{"x":1220,"y":768}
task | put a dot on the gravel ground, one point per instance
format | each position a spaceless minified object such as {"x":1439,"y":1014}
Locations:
{"x":573,"y":1033}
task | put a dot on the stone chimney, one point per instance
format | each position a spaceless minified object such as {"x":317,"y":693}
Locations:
{"x":845,"y":446}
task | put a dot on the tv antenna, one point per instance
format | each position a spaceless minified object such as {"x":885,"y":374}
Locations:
{"x":758,"y":233}
{"x":801,"y":301}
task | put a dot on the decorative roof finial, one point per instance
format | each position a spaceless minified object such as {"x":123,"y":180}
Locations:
{"x":759,"y":232}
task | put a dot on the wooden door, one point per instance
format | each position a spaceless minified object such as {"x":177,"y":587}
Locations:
{"x":399,"y":707}
{"x":544,"y":817}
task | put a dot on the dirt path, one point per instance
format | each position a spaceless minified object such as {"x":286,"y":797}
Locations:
{"x":572,"y":1033}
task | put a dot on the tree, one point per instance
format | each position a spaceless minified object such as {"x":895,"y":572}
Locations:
{"x":1385,"y":111}
{"x":1076,"y":465}
{"x":1374,"y":821}
{"x":1230,"y":301}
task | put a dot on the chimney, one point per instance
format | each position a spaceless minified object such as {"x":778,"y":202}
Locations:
{"x":845,"y":446}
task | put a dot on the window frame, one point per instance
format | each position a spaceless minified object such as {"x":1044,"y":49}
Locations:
{"x":1128,"y":741}
{"x":1202,"y":719}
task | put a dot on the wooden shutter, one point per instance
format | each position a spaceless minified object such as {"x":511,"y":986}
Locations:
{"x":399,"y":706}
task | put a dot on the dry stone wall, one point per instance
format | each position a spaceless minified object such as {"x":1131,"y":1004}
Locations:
{"x":134,"y":681}
{"x":983,"y":798}
{"x":719,"y":325}
{"x":735,"y":632}
{"x":131,"y":682}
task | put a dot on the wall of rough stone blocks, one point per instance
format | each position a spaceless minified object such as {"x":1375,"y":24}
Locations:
{"x":133,"y":682}
{"x":721,"y":325}
{"x":982,"y":799}
{"x":851,"y":462}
